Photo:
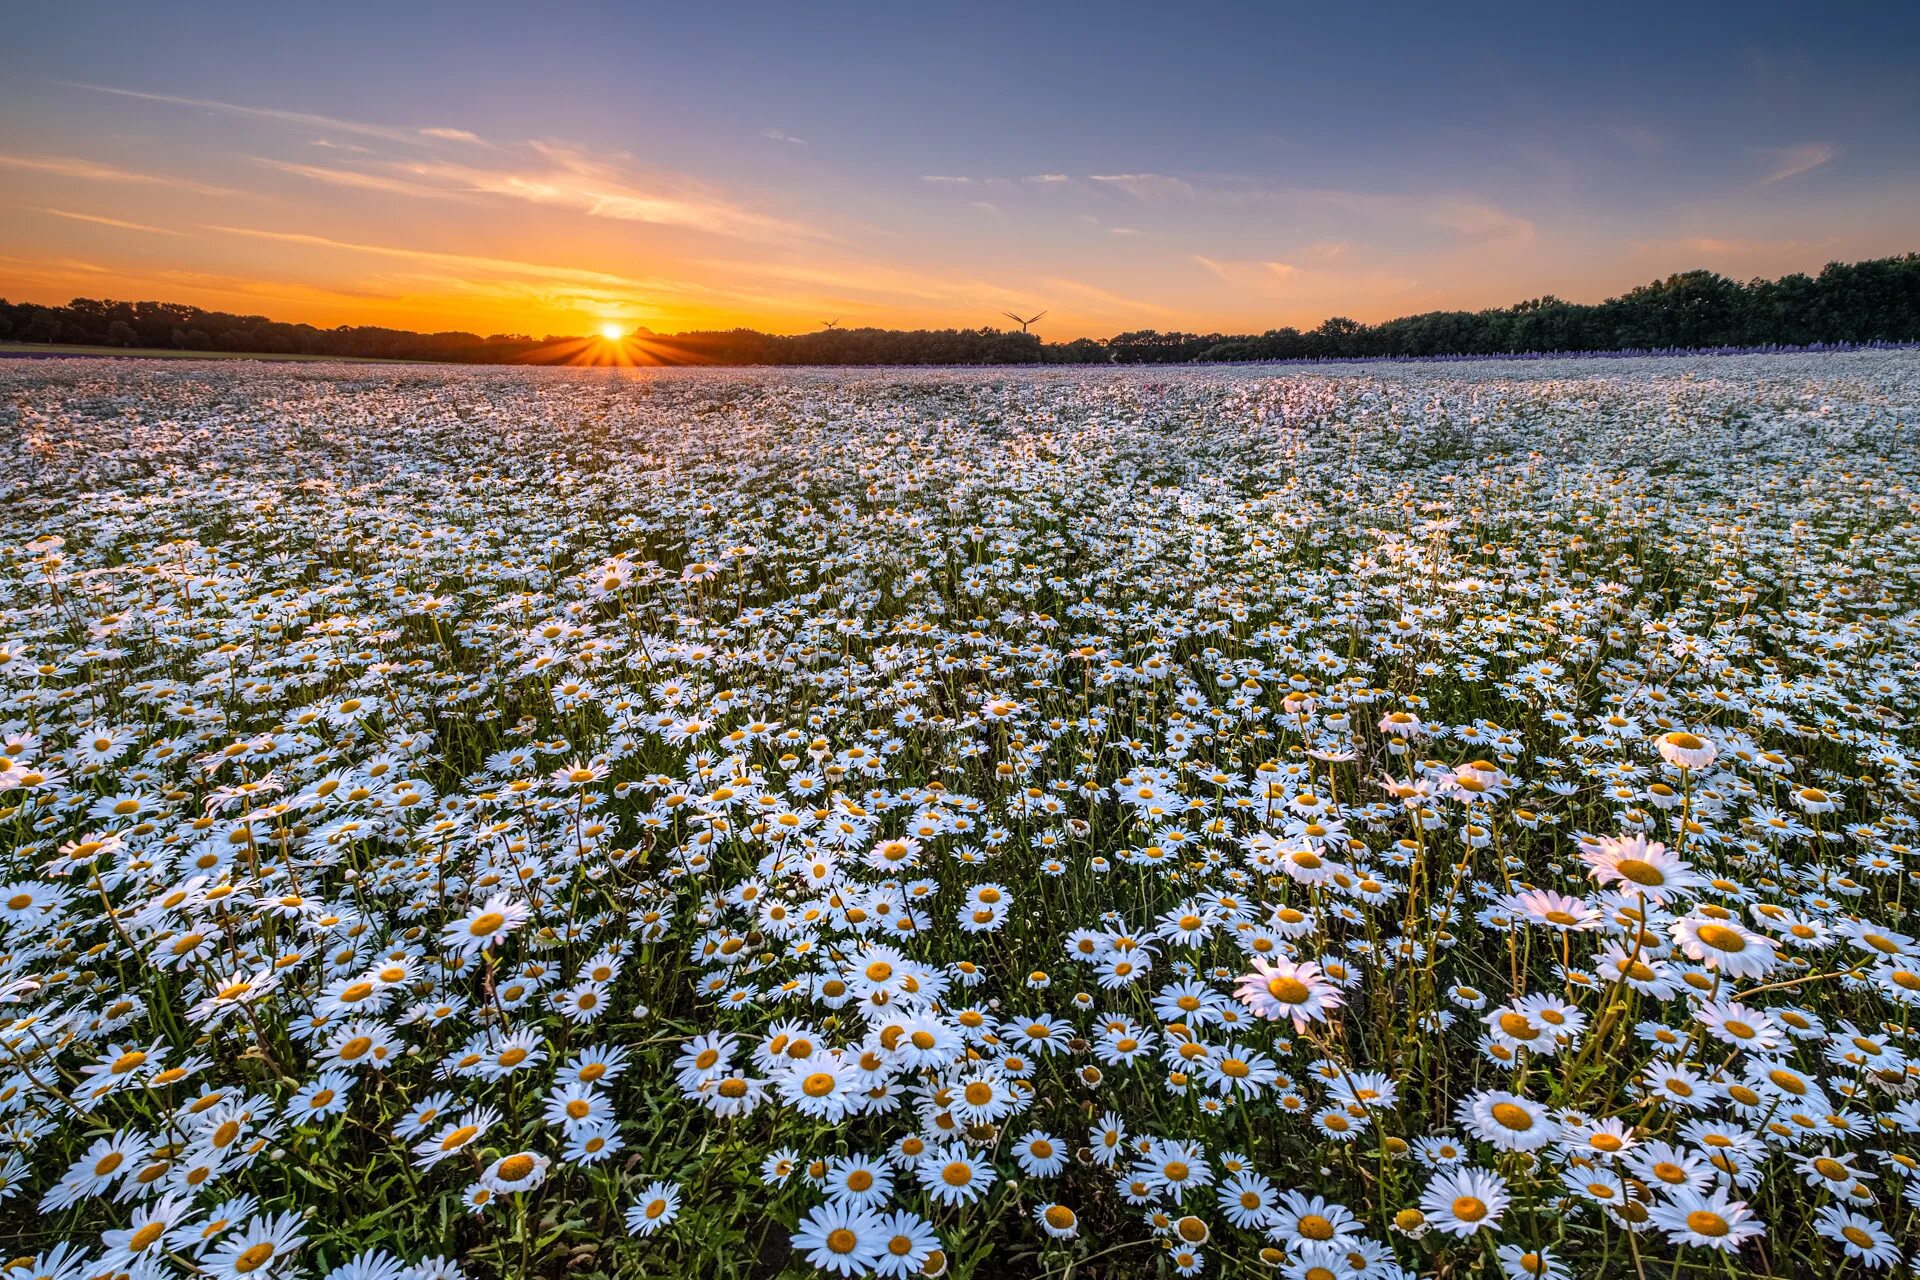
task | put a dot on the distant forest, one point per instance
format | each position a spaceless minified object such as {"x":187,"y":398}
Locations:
{"x":1847,"y":303}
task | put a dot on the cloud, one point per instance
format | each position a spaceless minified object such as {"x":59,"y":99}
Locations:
{"x":1724,"y":247}
{"x":598,"y":187}
{"x":1311,"y":280}
{"x":1640,"y":139}
{"x":75,"y":167}
{"x":353,"y":178}
{"x":781,"y":135}
{"x":118,"y":223}
{"x":1101,"y":300}
{"x":1326,"y":250}
{"x":1246,"y":274}
{"x":1464,"y":218}
{"x":303,"y":119}
{"x":1479,"y":222}
{"x":569,"y":179}
{"x":852,"y":284}
{"x":433,"y":277}
{"x":283,"y":291}
{"x":1146,"y":186}
{"x":556,"y":287}
{"x":50,"y":268}
{"x":987,"y":206}
{"x":849,"y":281}
{"x":957,"y":180}
{"x":1790,"y":162}
{"x":472,"y":262}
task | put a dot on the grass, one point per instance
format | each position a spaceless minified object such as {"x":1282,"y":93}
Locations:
{"x":1144,"y":823}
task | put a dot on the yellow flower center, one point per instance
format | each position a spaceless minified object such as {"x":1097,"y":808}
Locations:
{"x":1721,"y":938}
{"x":1288,"y":990}
{"x":1469,"y":1209}
{"x":253,"y":1259}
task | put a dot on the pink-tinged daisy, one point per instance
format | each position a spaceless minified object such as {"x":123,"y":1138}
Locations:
{"x":1279,"y":989}
{"x":1641,"y":868}
{"x":1725,"y":945}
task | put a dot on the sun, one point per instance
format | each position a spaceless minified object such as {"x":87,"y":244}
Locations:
{"x":612,"y":332}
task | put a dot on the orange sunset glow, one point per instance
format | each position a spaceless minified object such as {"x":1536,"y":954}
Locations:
{"x":697,"y":172}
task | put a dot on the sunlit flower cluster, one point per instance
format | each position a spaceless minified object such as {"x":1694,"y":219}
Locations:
{"x":1342,"y":825}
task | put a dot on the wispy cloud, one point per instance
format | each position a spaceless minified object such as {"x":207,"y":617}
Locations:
{"x":51,"y":268}
{"x":353,"y":178}
{"x":1254,"y":274}
{"x":848,"y":283}
{"x":1733,"y":247}
{"x":1146,"y":186}
{"x":1464,"y":218}
{"x":97,"y":219}
{"x":1103,"y":301}
{"x":439,"y":161}
{"x":781,"y":135}
{"x":466,"y":261}
{"x":282,"y":291}
{"x":1470,"y":220}
{"x":455,"y":135}
{"x":1315,"y":277}
{"x":1640,"y":138}
{"x":870,"y":286}
{"x":602,"y":188}
{"x":1326,"y":251}
{"x":75,"y":167}
{"x":564,"y":178}
{"x":1790,"y":162}
{"x":304,"y":119}
{"x":435,"y":273}
{"x":1212,"y":267}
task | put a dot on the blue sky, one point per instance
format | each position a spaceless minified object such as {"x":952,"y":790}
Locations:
{"x":544,"y":167}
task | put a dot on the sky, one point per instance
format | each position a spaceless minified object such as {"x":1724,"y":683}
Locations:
{"x":552,"y":168}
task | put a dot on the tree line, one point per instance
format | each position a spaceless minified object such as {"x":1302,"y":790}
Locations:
{"x":1846,"y":303}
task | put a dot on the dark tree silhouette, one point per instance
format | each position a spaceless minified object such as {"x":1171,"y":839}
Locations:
{"x":1847,"y":302}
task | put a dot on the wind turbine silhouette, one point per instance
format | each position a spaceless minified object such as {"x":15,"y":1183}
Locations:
{"x":1022,"y":323}
{"x":829,"y":324}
